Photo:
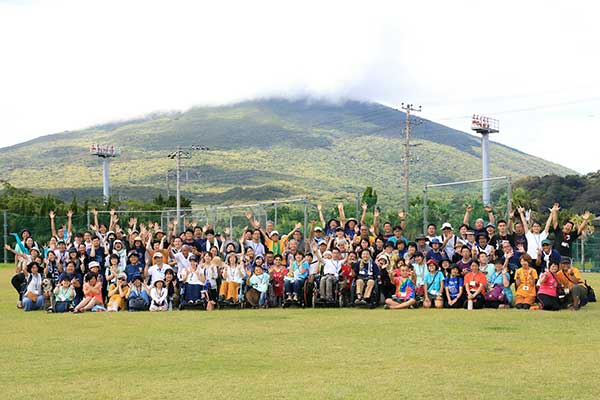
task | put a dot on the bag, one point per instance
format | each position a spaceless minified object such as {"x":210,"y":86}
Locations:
{"x":496,"y":294}
{"x":31,"y":296}
{"x":137,"y":303}
{"x":591,"y":295}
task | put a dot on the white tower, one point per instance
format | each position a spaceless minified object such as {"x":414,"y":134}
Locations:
{"x":484,"y":126}
{"x":105,"y":152}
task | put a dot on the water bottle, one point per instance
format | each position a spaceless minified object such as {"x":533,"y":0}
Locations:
{"x":470,"y":305}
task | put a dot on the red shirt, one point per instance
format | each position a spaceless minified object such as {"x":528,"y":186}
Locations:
{"x":474,"y":280}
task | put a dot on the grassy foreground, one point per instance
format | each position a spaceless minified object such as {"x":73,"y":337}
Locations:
{"x":281,"y":354}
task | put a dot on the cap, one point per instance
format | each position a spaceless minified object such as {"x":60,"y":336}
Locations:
{"x":193,"y":258}
{"x":446,"y":225}
{"x":490,"y":225}
{"x":421,"y":237}
{"x":133,"y":253}
{"x":323,"y":242}
{"x":327,"y":253}
{"x":117,"y":241}
{"x":546,"y":242}
{"x":432,"y":261}
{"x":318,"y":229}
{"x":122,"y":275}
{"x":157,"y":255}
{"x":565,"y":260}
{"x":35,"y":248}
{"x":274,"y":233}
{"x":94,"y":264}
{"x":435,"y":240}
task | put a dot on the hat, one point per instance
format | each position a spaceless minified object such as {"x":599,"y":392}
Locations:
{"x":327,"y":253}
{"x":435,"y":241}
{"x":432,"y":261}
{"x":193,"y":258}
{"x":109,"y":233}
{"x":117,"y":241}
{"x":31,"y":264}
{"x":135,"y":239}
{"x":318,"y":229}
{"x":122,"y":275}
{"x":34,"y":248}
{"x":565,"y":260}
{"x":446,"y":225}
{"x":351,"y":219}
{"x":339,"y":229}
{"x":133,"y":253}
{"x":421,"y":237}
{"x":479,"y":219}
{"x":72,"y":250}
{"x":490,"y":225}
{"x":159,"y":231}
{"x":322,"y":242}
{"x":159,"y":280}
{"x":136,"y":276}
{"x":274,"y":233}
{"x":157,"y":254}
{"x":60,"y":241}
{"x":470,"y":233}
{"x":94,"y":264}
{"x":546,"y":242}
{"x":383,"y":256}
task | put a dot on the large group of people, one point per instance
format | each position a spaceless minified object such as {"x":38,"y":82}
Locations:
{"x":343,"y":262}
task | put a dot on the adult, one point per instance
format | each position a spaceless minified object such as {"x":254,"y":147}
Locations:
{"x":564,"y":237}
{"x":157,"y":270}
{"x":547,"y":294}
{"x":570,"y":278}
{"x":33,"y":297}
{"x":535,"y":236}
{"x":525,"y":279}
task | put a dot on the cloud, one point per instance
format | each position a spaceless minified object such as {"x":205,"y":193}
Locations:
{"x":72,"y":64}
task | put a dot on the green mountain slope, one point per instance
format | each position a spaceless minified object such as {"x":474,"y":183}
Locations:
{"x":261,"y":150}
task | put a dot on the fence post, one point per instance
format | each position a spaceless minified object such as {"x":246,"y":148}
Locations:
{"x":425,"y":210}
{"x":509,"y":201}
{"x":305,"y":218}
{"x":583,"y":252}
{"x":5,"y":235}
{"x":87,"y":220}
{"x":230,"y":224}
{"x":358,"y":207}
{"x":275,"y":219}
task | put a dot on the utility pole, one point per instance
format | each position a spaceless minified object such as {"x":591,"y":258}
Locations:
{"x":484,"y":126}
{"x":408,"y":108}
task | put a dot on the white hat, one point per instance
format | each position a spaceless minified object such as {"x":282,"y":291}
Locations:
{"x":274,"y":233}
{"x":93,"y":264}
{"x":446,"y":225}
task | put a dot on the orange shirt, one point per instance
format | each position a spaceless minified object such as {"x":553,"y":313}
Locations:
{"x":527,"y":278}
{"x":568,"y":281}
{"x":474,"y":280}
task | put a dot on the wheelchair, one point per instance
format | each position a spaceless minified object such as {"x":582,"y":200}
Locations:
{"x":305,"y":295}
{"x":318,"y":301}
{"x":197,"y":304}
{"x":241,"y":300}
{"x":373,"y":300}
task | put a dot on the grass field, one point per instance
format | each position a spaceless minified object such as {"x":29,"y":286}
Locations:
{"x":281,"y":354}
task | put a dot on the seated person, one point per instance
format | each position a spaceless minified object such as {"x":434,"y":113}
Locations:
{"x":570,"y":278}
{"x":331,"y":268}
{"x":117,"y":293}
{"x":498,"y":294}
{"x":92,"y":290}
{"x":33,"y":298}
{"x":259,"y":287}
{"x":278,"y":273}
{"x":475,"y":283}
{"x":138,"y":299}
{"x":158,"y":296}
{"x":436,"y":253}
{"x":366,"y":273}
{"x":195,"y":285}
{"x":173,"y":289}
{"x":64,"y":294}
{"x":297,"y":274}
{"x":405,"y":292}
{"x":525,"y":279}
{"x":232,"y":278}
{"x":453,"y":287}
{"x":548,"y":292}
{"x":434,"y":285}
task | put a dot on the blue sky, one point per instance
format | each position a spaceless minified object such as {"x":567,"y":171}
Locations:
{"x":533,"y":65}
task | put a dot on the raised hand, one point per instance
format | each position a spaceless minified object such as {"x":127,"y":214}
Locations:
{"x":340,"y":205}
{"x":488,"y":209}
{"x":52,"y":214}
{"x":376,"y":212}
{"x":469,"y":208}
{"x":319,"y":207}
{"x":586,"y":215}
{"x":401,"y":214}
{"x":555,"y":207}
{"x":248,"y":214}
{"x":364,"y":206}
{"x":298,"y":225}
{"x":94,"y":212}
{"x":70,"y":213}
{"x":112,"y":212}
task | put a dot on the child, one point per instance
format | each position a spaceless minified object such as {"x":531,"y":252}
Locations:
{"x":453,"y":286}
{"x":173,"y":289}
{"x":405,"y":292}
{"x":434,"y":286}
{"x":64,"y":294}
{"x":259,"y":282}
{"x":92,"y":290}
{"x":278,"y":273}
{"x":117,"y":293}
{"x":158,"y":294}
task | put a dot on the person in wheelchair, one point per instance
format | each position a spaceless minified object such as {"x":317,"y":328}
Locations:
{"x":195,"y":284}
{"x":366,"y":274}
{"x":232,"y":278}
{"x":331,"y":268}
{"x":259,"y":288}
{"x":277,"y":273}
{"x":294,"y":280}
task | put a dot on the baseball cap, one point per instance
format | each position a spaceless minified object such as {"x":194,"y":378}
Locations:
{"x":446,"y":225}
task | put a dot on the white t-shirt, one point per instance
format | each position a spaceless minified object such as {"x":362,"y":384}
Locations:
{"x":331,"y":266}
{"x":157,"y":273}
{"x":534,"y":242}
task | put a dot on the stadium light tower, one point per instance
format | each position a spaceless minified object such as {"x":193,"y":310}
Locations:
{"x":178,"y":155}
{"x":105,"y":152}
{"x":484,"y":126}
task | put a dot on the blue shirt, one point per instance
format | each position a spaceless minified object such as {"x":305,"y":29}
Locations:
{"x":434,"y":282}
{"x":495,"y":279}
{"x":453,"y":285}
{"x":132,"y":270}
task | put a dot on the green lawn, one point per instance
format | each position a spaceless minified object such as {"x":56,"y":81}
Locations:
{"x":280,"y":354}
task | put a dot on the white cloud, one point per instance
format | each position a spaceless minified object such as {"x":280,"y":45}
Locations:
{"x":70,"y":64}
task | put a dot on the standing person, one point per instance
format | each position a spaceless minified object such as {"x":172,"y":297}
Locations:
{"x":419,"y":268}
{"x":33,"y":298}
{"x":535,"y":236}
{"x":502,"y":236}
{"x":479,"y":226}
{"x":449,"y":239}
{"x":548,"y":292}
{"x":525,"y":279}
{"x":564,"y":238}
{"x":475,"y":283}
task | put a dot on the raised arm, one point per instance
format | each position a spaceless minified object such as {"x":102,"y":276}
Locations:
{"x":554,"y":213}
{"x":70,"y":224}
{"x":521,"y":211}
{"x":490,"y":213}
{"x":402,"y":218}
{"x":96,"y":224}
{"x":364,"y":207}
{"x":582,"y":226}
{"x":375,"y":225}
{"x":340,"y":207}
{"x":113,"y":220}
{"x":51,"y":214}
{"x":317,"y":252}
{"x":467,"y":216}
{"x":321,"y":218}
{"x":548,"y":223}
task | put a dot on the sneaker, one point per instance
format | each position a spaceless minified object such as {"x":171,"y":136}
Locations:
{"x":190,"y":301}
{"x":386,"y":306}
{"x":357,"y":301}
{"x":19,"y":304}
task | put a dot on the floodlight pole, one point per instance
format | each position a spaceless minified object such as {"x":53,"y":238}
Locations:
{"x":178,"y":189}
{"x":484,"y":126}
{"x":105,"y":152}
{"x":407,"y":108}
{"x":106,"y":180}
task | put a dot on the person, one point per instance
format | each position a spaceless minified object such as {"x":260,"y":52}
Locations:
{"x":138,"y":299}
{"x":64,"y":294}
{"x":296,"y":276}
{"x":475,"y":283}
{"x":278,"y":273}
{"x":419,"y":268}
{"x":156,"y":271}
{"x":196,"y":286}
{"x":92,"y":290}
{"x":564,"y":238}
{"x":498,"y":294}
{"x":259,"y":283}
{"x":331,"y":268}
{"x":232,"y":278}
{"x":570,"y":278}
{"x":134,"y":266}
{"x":158,"y":296}
{"x":76,"y":280}
{"x":547,"y":295}
{"x":173,"y":289}
{"x":464,"y":264}
{"x":33,"y":297}
{"x":405,"y":292}
{"x":525,"y":279}
{"x":479,"y":227}
{"x":117,"y":293}
{"x":437,"y":252}
{"x":545,"y":256}
{"x":434,"y":286}
{"x":535,"y":236}
{"x":366,"y":273}
{"x":449,"y":239}
{"x":453,"y":287}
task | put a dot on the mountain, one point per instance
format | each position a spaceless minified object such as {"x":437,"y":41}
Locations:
{"x":261,"y":150}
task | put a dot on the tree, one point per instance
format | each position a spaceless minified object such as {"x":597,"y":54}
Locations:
{"x":74,"y":207}
{"x":369,"y":197}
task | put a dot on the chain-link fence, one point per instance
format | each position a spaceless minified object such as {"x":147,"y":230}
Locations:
{"x":586,"y":253}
